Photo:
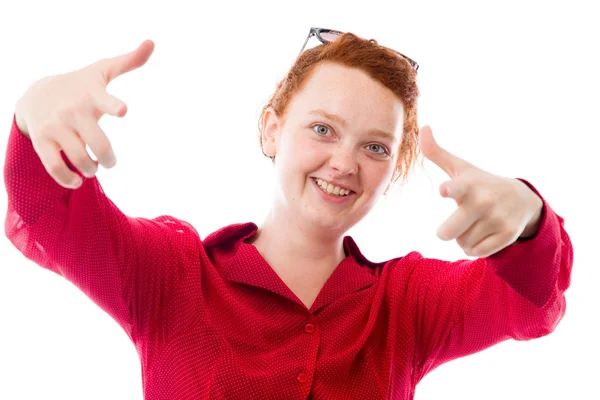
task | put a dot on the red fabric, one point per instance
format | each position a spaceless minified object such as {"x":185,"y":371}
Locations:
{"x":211,"y":319}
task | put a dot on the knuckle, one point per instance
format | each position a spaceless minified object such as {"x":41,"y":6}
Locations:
{"x":45,"y":130}
{"x":485,"y":200}
{"x":88,"y":100}
{"x":66,"y":115}
{"x":99,"y":65}
{"x":80,"y":160}
{"x":50,"y":128}
{"x":93,"y":166}
{"x":55,"y":168}
{"x":504,"y":225}
{"x":72,"y":113}
{"x":513,"y":232}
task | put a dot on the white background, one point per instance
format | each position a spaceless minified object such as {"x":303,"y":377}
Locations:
{"x":512,"y":88}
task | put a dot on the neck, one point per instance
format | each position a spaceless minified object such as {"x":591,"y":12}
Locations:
{"x":288,"y":244}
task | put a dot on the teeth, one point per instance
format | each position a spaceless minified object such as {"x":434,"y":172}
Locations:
{"x":331,"y":189}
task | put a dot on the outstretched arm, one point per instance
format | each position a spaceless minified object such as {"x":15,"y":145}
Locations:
{"x":126,"y":265}
{"x":465,"y":306}
{"x":515,"y":289}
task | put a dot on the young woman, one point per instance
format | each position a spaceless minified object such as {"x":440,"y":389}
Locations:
{"x":289,"y":309}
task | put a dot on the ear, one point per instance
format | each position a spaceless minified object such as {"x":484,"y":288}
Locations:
{"x":270,"y":132}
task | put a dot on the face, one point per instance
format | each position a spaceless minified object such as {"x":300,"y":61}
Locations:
{"x":342,"y":129}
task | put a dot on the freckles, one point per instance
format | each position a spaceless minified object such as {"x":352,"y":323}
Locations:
{"x":312,"y":145}
{"x":311,"y":151}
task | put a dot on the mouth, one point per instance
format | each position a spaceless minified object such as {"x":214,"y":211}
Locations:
{"x":334,"y":192}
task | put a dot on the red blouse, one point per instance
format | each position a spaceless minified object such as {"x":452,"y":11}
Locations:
{"x":211,"y":319}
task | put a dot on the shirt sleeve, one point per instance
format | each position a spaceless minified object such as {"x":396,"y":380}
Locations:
{"x":126,"y":265}
{"x":465,"y":306}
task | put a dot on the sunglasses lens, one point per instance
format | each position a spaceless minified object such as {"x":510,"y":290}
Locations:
{"x":330,"y":36}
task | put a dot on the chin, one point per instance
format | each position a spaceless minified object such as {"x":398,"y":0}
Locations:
{"x":332,"y":222}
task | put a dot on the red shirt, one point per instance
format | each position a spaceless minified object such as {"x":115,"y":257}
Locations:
{"x":211,"y":319}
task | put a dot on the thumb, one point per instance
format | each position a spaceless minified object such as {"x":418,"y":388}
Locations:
{"x":114,"y":67}
{"x":450,"y":163}
{"x":431,"y":150}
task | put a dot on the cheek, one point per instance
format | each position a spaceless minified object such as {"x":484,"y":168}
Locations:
{"x":304,"y":152}
{"x":296,"y":156}
{"x":377,"y":178}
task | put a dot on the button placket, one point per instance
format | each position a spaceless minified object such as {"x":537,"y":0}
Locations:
{"x":308,"y":328}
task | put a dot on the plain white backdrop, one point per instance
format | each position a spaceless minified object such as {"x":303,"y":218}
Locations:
{"x":511,"y":87}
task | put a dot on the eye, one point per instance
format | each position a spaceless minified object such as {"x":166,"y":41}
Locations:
{"x":376,"y":146}
{"x":322,"y":130}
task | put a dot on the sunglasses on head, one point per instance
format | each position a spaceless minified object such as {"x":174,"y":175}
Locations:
{"x":329,"y":35}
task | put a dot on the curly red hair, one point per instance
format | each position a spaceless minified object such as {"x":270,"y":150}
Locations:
{"x":380,"y":63}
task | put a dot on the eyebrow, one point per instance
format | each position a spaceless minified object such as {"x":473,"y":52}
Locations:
{"x":343,"y":123}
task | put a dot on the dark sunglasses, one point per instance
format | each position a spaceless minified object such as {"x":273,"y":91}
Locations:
{"x":330,"y":35}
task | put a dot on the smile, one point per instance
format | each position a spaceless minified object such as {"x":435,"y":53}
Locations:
{"x":331,"y":189}
{"x":332,"y":197}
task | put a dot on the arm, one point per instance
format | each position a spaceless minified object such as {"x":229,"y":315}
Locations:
{"x":118,"y":261}
{"x":466,"y":306}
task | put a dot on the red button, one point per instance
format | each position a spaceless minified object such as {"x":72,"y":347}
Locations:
{"x":302,"y":378}
{"x":309,"y":328}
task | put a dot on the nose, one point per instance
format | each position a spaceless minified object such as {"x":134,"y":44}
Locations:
{"x":343,"y":161}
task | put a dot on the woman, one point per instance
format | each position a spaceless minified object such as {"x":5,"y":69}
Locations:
{"x":290,"y":309}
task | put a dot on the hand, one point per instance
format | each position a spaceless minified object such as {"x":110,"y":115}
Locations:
{"x":61,"y":112}
{"x":493,"y":211}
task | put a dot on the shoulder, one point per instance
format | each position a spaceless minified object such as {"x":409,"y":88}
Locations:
{"x":230,"y":233}
{"x":400,"y":262}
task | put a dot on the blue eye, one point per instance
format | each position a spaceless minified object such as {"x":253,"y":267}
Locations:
{"x":383,"y":152}
{"x":322,"y":132}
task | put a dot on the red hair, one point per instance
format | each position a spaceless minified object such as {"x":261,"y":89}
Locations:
{"x":380,"y":63}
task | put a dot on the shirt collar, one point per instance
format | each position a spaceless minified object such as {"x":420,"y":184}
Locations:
{"x":241,"y":262}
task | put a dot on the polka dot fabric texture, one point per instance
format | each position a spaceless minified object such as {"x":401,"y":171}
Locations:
{"x":211,"y":319}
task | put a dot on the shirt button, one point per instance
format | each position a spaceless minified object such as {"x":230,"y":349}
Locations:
{"x":302,"y":378}
{"x":309,"y":328}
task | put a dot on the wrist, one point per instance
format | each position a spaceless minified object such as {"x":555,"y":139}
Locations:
{"x":533,"y":226}
{"x":21,"y":122}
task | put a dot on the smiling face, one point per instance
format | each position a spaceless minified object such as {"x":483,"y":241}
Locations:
{"x":344,"y":128}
